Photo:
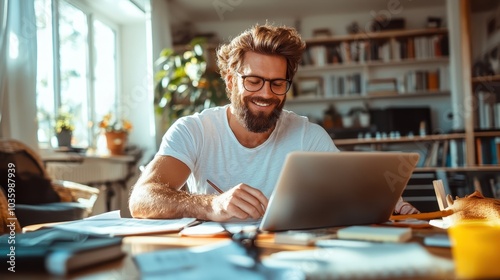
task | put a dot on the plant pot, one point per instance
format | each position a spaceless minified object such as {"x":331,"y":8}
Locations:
{"x":64,"y":138}
{"x":116,"y":142}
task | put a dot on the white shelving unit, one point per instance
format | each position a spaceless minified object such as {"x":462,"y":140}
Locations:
{"x":390,"y":65}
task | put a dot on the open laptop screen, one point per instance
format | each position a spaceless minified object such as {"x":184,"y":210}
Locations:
{"x":326,"y":189}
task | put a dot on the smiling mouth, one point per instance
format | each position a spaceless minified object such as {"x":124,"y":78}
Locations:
{"x":261,"y":104}
{"x":264,"y":102}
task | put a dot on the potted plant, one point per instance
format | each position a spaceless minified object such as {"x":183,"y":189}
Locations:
{"x":116,"y":132}
{"x":186,"y":83}
{"x":64,"y":128}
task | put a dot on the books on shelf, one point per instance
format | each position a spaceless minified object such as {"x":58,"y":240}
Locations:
{"x":56,"y":251}
{"x":362,"y":50}
{"x":343,"y":85}
{"x":381,"y":86}
{"x":487,"y":150}
{"x":488,"y":110}
{"x":422,"y":80}
{"x":487,"y":184}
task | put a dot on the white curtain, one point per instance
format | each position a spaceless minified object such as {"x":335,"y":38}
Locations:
{"x":18,"y":65}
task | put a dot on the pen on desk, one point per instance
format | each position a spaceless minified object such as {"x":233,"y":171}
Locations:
{"x":214,"y":186}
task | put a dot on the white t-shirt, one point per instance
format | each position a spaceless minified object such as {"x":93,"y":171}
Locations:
{"x":207,"y":145}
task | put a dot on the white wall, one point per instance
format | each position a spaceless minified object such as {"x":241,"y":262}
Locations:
{"x":337,"y":23}
{"x":137,"y":86}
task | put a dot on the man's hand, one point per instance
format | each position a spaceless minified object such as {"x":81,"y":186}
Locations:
{"x":242,"y":202}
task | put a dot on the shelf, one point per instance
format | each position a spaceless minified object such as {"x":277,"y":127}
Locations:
{"x":487,"y":133}
{"x":377,"y":35}
{"x":359,"y":97}
{"x":378,"y":63}
{"x":486,"y":79}
{"x":403,"y":139}
{"x":483,"y":168}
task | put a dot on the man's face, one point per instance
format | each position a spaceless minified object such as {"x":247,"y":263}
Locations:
{"x":260,"y":110}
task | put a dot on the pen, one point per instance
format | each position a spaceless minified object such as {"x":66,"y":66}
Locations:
{"x":214,"y":186}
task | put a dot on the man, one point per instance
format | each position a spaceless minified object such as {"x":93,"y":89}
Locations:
{"x":240,"y":147}
{"x":231,"y":156}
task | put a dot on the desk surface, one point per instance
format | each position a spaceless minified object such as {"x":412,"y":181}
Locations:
{"x":125,"y":268}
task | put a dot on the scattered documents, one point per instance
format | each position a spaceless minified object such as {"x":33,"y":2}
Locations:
{"x":438,"y":240}
{"x":223,"y":260}
{"x":56,"y":251}
{"x":112,"y":225}
{"x":375,"y":233}
{"x":379,"y":260}
{"x":302,"y":237}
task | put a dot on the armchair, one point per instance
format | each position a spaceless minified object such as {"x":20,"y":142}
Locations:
{"x":39,"y":198}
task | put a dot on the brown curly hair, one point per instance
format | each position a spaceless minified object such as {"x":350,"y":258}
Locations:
{"x":264,"y":39}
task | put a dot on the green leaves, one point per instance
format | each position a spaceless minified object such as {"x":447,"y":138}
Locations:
{"x":183,"y":85}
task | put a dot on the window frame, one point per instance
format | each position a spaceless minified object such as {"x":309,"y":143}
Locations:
{"x":91,"y":15}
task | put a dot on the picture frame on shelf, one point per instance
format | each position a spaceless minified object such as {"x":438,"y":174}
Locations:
{"x":309,"y":87}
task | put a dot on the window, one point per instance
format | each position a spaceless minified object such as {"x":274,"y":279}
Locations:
{"x":76,"y":69}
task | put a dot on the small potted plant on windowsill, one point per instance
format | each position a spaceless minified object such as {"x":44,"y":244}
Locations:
{"x":116,"y":132}
{"x":64,"y":128}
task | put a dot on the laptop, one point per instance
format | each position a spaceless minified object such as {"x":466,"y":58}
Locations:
{"x":328,"y":189}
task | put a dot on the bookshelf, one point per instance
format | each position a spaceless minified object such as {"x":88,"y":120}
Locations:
{"x":482,"y":126}
{"x":361,"y":65}
{"x":371,"y":70}
{"x":473,"y":170}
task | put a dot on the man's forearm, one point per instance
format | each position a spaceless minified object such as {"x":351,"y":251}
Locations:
{"x":156,"y":201}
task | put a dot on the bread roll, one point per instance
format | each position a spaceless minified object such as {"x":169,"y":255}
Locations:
{"x":473,"y":207}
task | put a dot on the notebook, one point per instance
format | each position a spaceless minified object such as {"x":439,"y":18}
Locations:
{"x":56,"y":251}
{"x":327,"y":189}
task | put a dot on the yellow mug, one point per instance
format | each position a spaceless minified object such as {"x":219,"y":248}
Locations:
{"x":476,"y":249}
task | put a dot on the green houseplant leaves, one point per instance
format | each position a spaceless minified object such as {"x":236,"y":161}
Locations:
{"x":185,"y":83}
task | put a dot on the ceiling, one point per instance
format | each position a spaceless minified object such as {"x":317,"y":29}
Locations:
{"x":215,"y":10}
{"x":189,"y":11}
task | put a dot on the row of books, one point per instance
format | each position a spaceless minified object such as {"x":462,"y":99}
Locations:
{"x":488,"y":185}
{"x":488,"y":110}
{"x":462,"y":184}
{"x":487,"y":150}
{"x":346,"y":84}
{"x":452,"y":153}
{"x":435,"y":154}
{"x":422,"y":80}
{"x":362,"y":51}
{"x":413,"y":81}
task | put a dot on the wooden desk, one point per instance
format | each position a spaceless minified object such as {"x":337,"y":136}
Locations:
{"x":126,"y":269}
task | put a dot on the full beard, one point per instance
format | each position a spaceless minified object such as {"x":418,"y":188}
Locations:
{"x":260,"y":122}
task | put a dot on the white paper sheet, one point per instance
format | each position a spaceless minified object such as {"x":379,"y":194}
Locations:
{"x":380,"y":260}
{"x":223,"y":260}
{"x":126,"y":226}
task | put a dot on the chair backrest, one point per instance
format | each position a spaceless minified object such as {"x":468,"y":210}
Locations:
{"x":24,"y":168}
{"x":8,"y":220}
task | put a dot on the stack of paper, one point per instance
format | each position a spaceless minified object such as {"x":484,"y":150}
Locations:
{"x":375,"y":233}
{"x":224,"y":260}
{"x":379,"y":260}
{"x":111,"y":224}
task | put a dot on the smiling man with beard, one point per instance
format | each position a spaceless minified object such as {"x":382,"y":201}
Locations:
{"x":240,"y":147}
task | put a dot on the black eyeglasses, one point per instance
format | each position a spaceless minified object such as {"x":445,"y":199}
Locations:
{"x":246,"y":239}
{"x":255,"y":83}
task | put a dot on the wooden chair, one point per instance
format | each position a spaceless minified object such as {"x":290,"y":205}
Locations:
{"x":39,"y":198}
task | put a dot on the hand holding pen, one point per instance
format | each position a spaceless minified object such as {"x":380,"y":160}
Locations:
{"x":242,"y":202}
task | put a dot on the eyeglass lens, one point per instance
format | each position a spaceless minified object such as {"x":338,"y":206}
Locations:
{"x":255,"y":83}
